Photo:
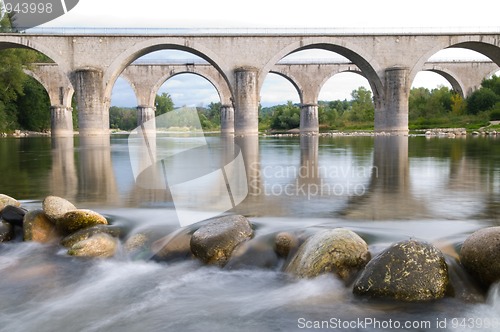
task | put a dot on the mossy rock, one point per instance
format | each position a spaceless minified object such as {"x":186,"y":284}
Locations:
{"x":214,"y":242}
{"x":99,"y":245}
{"x":340,"y":251}
{"x":480,"y":255}
{"x":410,"y":271}
{"x":284,"y":243}
{"x":85,"y":233}
{"x":75,"y":220}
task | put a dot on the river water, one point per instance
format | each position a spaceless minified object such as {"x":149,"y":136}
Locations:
{"x":384,"y":188}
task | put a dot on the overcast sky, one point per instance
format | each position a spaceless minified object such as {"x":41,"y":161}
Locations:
{"x":478,"y":15}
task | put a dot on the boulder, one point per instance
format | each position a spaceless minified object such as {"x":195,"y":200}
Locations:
{"x":39,"y":228}
{"x":7,"y":200}
{"x":480,"y":255}
{"x":339,"y":250}
{"x":55,"y":207}
{"x":99,"y":245}
{"x":13,"y":215}
{"x":410,"y":271}
{"x":75,"y":220}
{"x":6,"y":231}
{"x":214,"y":242}
{"x":255,"y":253}
{"x":176,"y":246}
{"x":85,"y":233}
{"x":285,"y":242}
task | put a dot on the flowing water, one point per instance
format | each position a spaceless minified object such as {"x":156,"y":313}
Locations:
{"x":384,"y":188}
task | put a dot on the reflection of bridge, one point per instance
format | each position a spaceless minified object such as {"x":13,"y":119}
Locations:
{"x":91,"y":64}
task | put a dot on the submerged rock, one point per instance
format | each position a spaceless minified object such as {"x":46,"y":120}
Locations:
{"x":214,"y":242}
{"x":409,"y":271}
{"x":480,"y":255}
{"x":55,"y":207}
{"x":339,"y":250}
{"x":85,"y":233}
{"x":6,"y":231}
{"x":75,"y":220}
{"x":13,"y":215}
{"x":176,"y":246}
{"x":285,"y":242}
{"x":7,"y":200}
{"x":99,"y":245}
{"x":255,"y":253}
{"x":39,"y":228}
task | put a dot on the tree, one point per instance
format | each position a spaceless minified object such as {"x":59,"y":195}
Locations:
{"x":163,"y":104}
{"x":482,"y":100}
{"x":362,"y":108}
{"x":286,"y":117}
{"x":33,"y":107}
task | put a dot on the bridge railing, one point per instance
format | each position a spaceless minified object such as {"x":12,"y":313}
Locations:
{"x":252,"y":31}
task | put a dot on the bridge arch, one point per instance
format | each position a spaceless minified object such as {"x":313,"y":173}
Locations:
{"x":455,"y":81}
{"x":486,"y":45}
{"x":293,"y":80}
{"x":351,"y":51}
{"x":222,"y":89}
{"x":157,"y":44}
{"x":16,"y":41}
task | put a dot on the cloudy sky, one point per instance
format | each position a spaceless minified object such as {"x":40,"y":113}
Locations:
{"x":369,"y":15}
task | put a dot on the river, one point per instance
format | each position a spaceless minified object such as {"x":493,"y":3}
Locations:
{"x":385,"y":189}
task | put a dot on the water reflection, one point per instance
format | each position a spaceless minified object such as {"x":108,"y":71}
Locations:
{"x":63,"y":178}
{"x":388,"y":194}
{"x":356,"y":177}
{"x":96,"y":178}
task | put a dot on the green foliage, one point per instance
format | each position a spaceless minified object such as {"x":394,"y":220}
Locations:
{"x":495,"y":112}
{"x":482,"y":99}
{"x":163,"y":103}
{"x":285,"y":117}
{"x":122,"y":118}
{"x":12,"y":82}
{"x":33,"y":107}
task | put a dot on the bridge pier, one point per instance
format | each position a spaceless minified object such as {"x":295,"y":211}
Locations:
{"x":246,"y":115}
{"x":227,"y":119}
{"x":145,"y":113}
{"x":93,"y":111}
{"x":391,"y":113}
{"x":309,"y":122}
{"x":61,"y":121}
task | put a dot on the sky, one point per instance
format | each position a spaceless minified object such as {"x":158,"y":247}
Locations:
{"x":354,"y":15}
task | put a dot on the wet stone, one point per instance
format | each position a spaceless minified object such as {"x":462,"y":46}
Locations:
{"x":75,"y":220}
{"x":7,"y":200}
{"x":480,"y":255}
{"x":340,"y":251}
{"x":13,"y":215}
{"x":99,"y":245}
{"x":6,"y":231}
{"x":173,"y":247}
{"x":214,"y":242}
{"x":85,"y":233}
{"x":410,"y":271}
{"x":39,"y":228}
{"x":55,"y":207}
{"x":285,"y":242}
{"x":255,"y":253}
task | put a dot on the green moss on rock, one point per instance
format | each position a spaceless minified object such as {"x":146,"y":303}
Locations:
{"x":410,"y":271}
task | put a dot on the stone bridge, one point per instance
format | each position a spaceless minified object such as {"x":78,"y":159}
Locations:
{"x":90,"y":64}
